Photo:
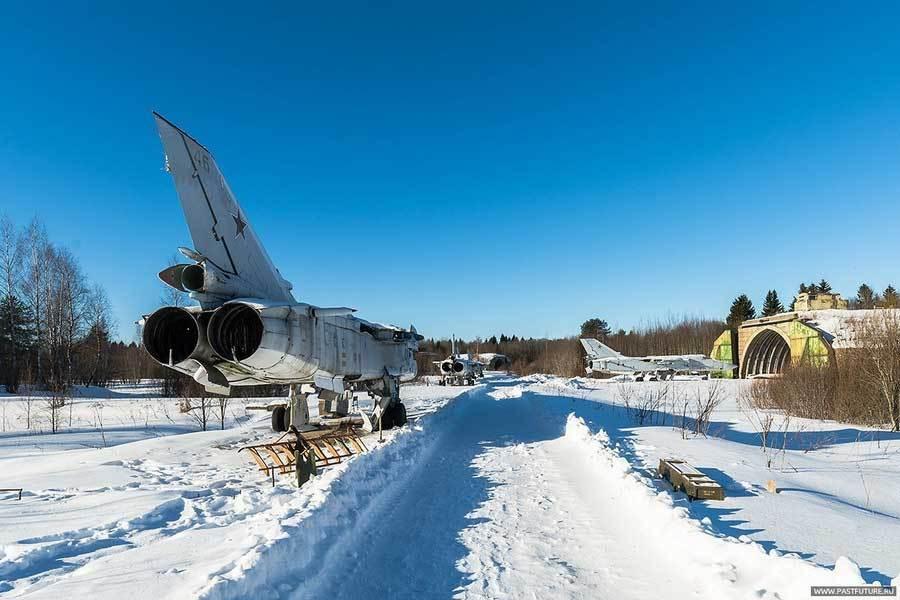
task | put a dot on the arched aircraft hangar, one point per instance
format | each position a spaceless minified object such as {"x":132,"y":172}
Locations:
{"x":767,"y":346}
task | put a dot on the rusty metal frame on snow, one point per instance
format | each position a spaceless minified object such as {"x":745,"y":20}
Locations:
{"x":328,"y":446}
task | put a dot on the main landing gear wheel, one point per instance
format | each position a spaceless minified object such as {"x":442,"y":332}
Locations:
{"x":279,"y":418}
{"x":399,"y":414}
{"x":387,"y":419}
{"x":394,"y":416}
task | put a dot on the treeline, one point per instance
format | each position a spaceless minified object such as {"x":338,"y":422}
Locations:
{"x":562,"y":356}
{"x":866,"y":297}
{"x":55,"y":325}
{"x":742,"y":309}
{"x":685,"y":335}
{"x":565,"y":356}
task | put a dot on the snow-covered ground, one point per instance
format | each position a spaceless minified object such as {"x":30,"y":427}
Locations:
{"x":532,"y":487}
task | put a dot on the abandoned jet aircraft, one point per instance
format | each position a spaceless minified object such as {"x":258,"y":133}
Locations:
{"x":603,"y":359}
{"x":459,"y":369}
{"x":248,"y":329}
{"x":494,"y":362}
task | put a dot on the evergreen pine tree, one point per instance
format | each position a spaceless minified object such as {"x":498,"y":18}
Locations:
{"x":824,"y":287}
{"x":889,"y":297}
{"x":595,"y":328}
{"x":772,"y":304}
{"x":803,"y":289}
{"x":865,"y":297}
{"x":16,"y":340}
{"x":741,"y":310}
{"x":813,"y":288}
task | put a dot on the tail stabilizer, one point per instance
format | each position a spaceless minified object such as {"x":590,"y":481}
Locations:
{"x":597,"y":349}
{"x":220,"y":230}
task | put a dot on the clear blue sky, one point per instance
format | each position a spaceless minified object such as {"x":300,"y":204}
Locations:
{"x":472,"y":169}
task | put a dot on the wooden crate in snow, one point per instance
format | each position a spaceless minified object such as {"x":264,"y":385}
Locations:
{"x":690,"y":480}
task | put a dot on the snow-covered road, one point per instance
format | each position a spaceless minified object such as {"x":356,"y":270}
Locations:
{"x":505,"y":506}
{"x":414,"y":547}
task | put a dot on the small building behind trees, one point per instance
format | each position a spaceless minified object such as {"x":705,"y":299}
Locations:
{"x":820,"y":301}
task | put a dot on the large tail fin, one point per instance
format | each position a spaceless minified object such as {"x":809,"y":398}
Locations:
{"x":219,"y":228}
{"x":597,"y":349}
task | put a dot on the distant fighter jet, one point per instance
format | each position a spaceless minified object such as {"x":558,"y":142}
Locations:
{"x":248,"y":329}
{"x":494,"y":362}
{"x":603,"y":359}
{"x":459,"y":369}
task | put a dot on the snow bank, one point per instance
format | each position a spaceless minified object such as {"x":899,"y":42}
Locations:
{"x":737,"y":568}
{"x":505,"y":393}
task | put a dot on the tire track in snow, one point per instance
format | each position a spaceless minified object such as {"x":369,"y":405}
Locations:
{"x":412,"y":548}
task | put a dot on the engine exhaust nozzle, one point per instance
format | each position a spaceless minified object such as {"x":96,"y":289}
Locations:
{"x":235,"y":331}
{"x":171,"y":335}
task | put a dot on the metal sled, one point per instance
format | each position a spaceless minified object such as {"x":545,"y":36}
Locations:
{"x":305,"y":452}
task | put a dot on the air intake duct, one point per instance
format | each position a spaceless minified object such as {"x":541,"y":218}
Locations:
{"x":193,"y":278}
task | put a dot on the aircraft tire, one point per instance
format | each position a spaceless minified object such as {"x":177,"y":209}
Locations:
{"x":387,"y":419}
{"x":399,"y":414}
{"x":279,"y":418}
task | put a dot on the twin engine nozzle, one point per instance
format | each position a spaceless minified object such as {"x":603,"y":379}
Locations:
{"x":232,"y":332}
{"x":456,"y":366}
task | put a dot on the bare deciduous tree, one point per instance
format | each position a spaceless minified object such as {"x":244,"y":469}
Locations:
{"x":99,"y":322}
{"x":197,"y":405}
{"x":625,"y":394}
{"x":761,"y":419}
{"x":706,"y":400}
{"x":97,"y":408}
{"x":222,"y":402}
{"x":878,"y":338}
{"x":648,"y":404}
{"x":53,"y":405}
{"x":37,"y":252}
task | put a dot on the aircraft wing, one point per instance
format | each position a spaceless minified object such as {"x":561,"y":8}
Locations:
{"x":219,"y":228}
{"x":711,"y":364}
{"x":624,"y":364}
{"x":691,"y":362}
{"x":675,"y":363}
